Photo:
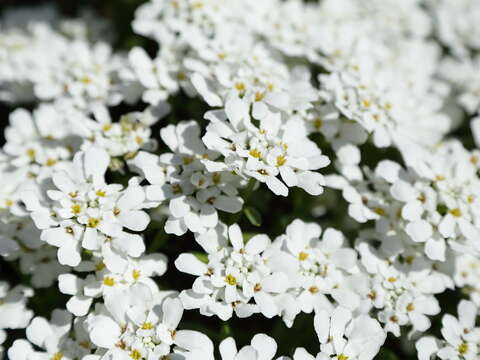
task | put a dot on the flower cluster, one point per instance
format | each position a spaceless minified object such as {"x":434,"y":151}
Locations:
{"x":251,"y":167}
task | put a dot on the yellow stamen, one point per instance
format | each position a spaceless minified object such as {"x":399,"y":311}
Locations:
{"x":76,"y":208}
{"x":255,"y":153}
{"x":136,"y":274}
{"x":231,"y":280}
{"x":93,"y":222}
{"x":456,"y":212}
{"x":109,"y":281}
{"x":302,"y":256}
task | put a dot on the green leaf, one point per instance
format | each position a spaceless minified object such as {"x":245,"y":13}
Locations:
{"x":201,"y":256}
{"x":253,"y":216}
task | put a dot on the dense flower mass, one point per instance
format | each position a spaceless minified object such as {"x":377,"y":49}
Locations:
{"x":241,"y":180}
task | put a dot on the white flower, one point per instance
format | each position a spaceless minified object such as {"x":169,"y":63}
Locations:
{"x":346,"y":337}
{"x":262,"y":347}
{"x":52,"y":337}
{"x":461,"y":337}
{"x":316,"y":265}
{"x":107,"y":279}
{"x":274,"y":148}
{"x":13,"y":311}
{"x":86,"y":212}
{"x":194,"y":194}
{"x":143,"y":325}
{"x":233,"y":275}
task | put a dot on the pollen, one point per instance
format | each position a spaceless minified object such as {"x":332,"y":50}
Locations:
{"x":8,"y":203}
{"x":255,"y":153}
{"x":109,"y":281}
{"x":177,"y":189}
{"x":138,"y":140}
{"x":69,"y":230}
{"x":366,"y":103}
{"x":456,"y":212}
{"x":410,"y":307}
{"x":211,"y":200}
{"x":76,"y":208}
{"x":463,"y":348}
{"x":262,"y":172}
{"x":85,"y":344}
{"x":57,"y":356}
{"x":93,"y":222}
{"x":342,"y":357}
{"x":147,"y":325}
{"x":470,"y":199}
{"x":379,"y":211}
{"x":313,"y":289}
{"x":439,"y":178}
{"x":136,"y":274}
{"x":302,"y":256}
{"x":392,"y":279}
{"x":31,"y":154}
{"x":240,"y":86}
{"x":259,"y":96}
{"x":106,"y":127}
{"x":100,"y":266}
{"x":51,"y":162}
{"x":257,"y":287}
{"x":100,"y":193}
{"x":216,"y":177}
{"x":187,"y":160}
{"x":317,"y":123}
{"x":231,"y":280}
{"x":135,"y":354}
{"x":86,"y":79}
{"x":116,"y":211}
{"x":281,"y":160}
{"x":73,"y":194}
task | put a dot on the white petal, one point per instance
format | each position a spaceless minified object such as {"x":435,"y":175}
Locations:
{"x":79,"y":305}
{"x":172,"y":312}
{"x":267,"y":305}
{"x":265,"y":345}
{"x":467,"y":313}
{"x":38,"y":331}
{"x":189,"y":264}
{"x":134,"y":220}
{"x":419,"y":231}
{"x":435,"y":249}
{"x":69,"y":284}
{"x":235,"y":236}
{"x":236,"y":110}
{"x":104,"y":331}
{"x":276,"y":186}
{"x":228,"y":204}
{"x":257,"y":244}
{"x":69,"y":254}
{"x":228,"y":349}
{"x":20,"y":350}
{"x":192,"y":340}
{"x":179,"y":207}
